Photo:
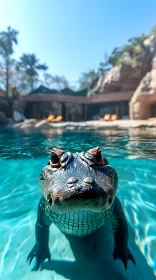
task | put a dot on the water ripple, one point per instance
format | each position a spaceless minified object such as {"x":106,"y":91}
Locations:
{"x":113,"y":143}
{"x":20,"y":194}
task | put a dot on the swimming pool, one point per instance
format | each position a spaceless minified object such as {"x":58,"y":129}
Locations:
{"x":22,"y":157}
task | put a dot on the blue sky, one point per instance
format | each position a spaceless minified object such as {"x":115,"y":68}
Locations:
{"x":71,"y":36}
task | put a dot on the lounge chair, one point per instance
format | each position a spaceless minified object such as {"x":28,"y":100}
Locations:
{"x":50,"y":118}
{"x":114,"y":117}
{"x":107,"y":117}
{"x":57,"y":119}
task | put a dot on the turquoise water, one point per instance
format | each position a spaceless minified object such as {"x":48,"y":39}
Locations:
{"x":22,"y":156}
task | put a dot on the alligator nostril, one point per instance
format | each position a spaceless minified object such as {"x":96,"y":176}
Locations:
{"x":72,"y":180}
{"x":89,"y":180}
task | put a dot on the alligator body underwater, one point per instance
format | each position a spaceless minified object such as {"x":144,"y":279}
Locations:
{"x":79,"y":196}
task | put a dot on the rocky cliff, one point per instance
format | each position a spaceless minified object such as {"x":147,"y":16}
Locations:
{"x":128,"y":74}
{"x":138,"y":75}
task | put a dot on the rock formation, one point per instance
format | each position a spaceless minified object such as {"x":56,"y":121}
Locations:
{"x":3,"y":119}
{"x":18,"y":106}
{"x":136,"y":74}
{"x":7,"y":108}
{"x":127,"y":75}
{"x":143,"y":100}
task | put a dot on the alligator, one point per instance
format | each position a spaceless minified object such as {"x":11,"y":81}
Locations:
{"x":79,"y":196}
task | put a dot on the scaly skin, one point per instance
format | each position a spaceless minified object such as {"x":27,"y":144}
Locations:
{"x":79,"y":205}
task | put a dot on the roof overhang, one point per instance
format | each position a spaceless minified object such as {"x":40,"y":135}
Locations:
{"x":99,"y":98}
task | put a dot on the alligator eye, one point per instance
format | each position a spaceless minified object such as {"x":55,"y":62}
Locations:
{"x":98,"y":159}
{"x":54,"y":158}
{"x":56,"y":154}
{"x":94,"y":151}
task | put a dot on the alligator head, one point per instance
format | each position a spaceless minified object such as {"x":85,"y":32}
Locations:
{"x":80,"y":181}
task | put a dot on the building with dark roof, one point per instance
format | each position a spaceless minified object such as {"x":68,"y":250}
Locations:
{"x":44,"y":90}
{"x":66,"y":91}
{"x":75,"y":105}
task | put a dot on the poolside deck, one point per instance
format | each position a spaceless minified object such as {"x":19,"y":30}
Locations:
{"x":90,"y":125}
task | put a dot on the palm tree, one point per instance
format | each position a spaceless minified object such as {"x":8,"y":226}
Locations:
{"x":29,"y":63}
{"x":7,"y":40}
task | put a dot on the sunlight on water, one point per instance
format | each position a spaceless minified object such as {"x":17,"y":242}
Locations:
{"x":22,"y":158}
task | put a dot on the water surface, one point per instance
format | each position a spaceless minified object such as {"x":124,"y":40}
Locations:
{"x":22,"y":157}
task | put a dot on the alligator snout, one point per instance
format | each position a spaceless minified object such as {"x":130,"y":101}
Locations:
{"x":89,"y":189}
{"x":73,"y":180}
